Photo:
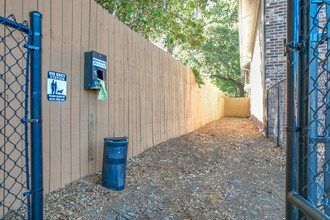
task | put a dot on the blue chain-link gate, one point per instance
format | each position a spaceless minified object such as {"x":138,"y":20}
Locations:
{"x":20,"y":192}
{"x":308,"y":109}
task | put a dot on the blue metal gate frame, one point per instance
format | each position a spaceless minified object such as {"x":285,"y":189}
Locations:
{"x":308,"y":109}
{"x":32,"y":44}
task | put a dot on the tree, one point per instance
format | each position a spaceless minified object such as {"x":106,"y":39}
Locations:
{"x":205,"y":31}
{"x":218,"y":56}
{"x":174,"y":22}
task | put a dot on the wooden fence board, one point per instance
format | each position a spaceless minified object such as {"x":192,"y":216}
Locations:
{"x":118,"y":99}
{"x":185,"y":98}
{"x":46,"y":64}
{"x":179,"y":100}
{"x":148,"y":87}
{"x":164,"y":70}
{"x":142,"y":74}
{"x":126,"y":75}
{"x":176,"y":80}
{"x":143,"y":95}
{"x":92,"y":95}
{"x":149,"y":92}
{"x":162,"y":97}
{"x":65,"y":106}
{"x":154,"y":94}
{"x":55,"y":118}
{"x":138,"y":73}
{"x":182,"y":99}
{"x":169,"y":97}
{"x":121,"y":82}
{"x":159,"y":100}
{"x":136,"y":143}
{"x":40,"y":5}
{"x":84,"y":162}
{"x":76,"y":89}
{"x":147,"y":99}
{"x":111,"y":75}
{"x":188,"y":106}
{"x":102,"y":106}
{"x":171,"y":76}
{"x":194,"y":103}
{"x":131,"y":84}
{"x":126,"y":38}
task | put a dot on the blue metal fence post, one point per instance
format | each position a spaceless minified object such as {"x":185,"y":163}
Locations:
{"x":303,"y":112}
{"x":36,"y":132}
{"x":291,"y":141}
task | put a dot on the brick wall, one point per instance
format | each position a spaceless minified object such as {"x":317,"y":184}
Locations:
{"x":275,"y":34}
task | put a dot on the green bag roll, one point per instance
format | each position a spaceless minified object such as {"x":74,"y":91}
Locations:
{"x":103,"y":92}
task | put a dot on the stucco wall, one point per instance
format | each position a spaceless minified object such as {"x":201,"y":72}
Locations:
{"x":256,"y":92}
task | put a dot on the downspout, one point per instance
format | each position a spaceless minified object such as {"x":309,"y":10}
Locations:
{"x":245,"y":68}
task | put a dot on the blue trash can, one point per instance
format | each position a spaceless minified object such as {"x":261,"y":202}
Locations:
{"x":114,"y":163}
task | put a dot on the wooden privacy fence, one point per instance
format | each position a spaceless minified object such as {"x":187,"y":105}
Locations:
{"x":151,"y":96}
{"x":237,"y":107}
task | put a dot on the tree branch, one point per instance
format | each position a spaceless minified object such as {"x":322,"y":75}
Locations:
{"x":227,"y":79}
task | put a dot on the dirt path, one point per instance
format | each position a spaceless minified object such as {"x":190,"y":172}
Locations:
{"x":225,"y":170}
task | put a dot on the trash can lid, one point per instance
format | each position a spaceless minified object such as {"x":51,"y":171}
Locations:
{"x":116,"y":139}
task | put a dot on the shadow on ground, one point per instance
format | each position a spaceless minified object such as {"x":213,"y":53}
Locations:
{"x":225,"y":170}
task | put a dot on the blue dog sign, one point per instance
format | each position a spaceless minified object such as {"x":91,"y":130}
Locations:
{"x":56,"y":86}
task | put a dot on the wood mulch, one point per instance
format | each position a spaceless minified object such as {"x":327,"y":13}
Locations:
{"x":224,"y":170}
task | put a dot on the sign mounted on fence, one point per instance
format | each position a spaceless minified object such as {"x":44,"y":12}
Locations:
{"x":56,"y":86}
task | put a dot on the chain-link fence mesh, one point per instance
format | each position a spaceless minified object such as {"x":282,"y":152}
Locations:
{"x":317,"y":140}
{"x":276,"y":112}
{"x":14,"y":169}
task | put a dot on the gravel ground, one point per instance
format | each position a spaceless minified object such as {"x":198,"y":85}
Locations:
{"x":224,"y":170}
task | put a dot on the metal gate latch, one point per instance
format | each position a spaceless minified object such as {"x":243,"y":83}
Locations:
{"x":33,"y":192}
{"x":30,"y":120}
{"x":31,"y":47}
{"x":289,"y":47}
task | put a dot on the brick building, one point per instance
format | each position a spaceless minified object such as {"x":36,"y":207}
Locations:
{"x":275,"y":35}
{"x":263,"y":64}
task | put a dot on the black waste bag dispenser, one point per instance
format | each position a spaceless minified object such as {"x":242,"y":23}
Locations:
{"x":95,"y":68}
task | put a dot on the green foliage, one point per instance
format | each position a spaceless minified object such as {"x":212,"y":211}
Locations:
{"x":177,"y":22}
{"x":198,"y":77}
{"x":205,"y":31}
{"x":218,"y":56}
